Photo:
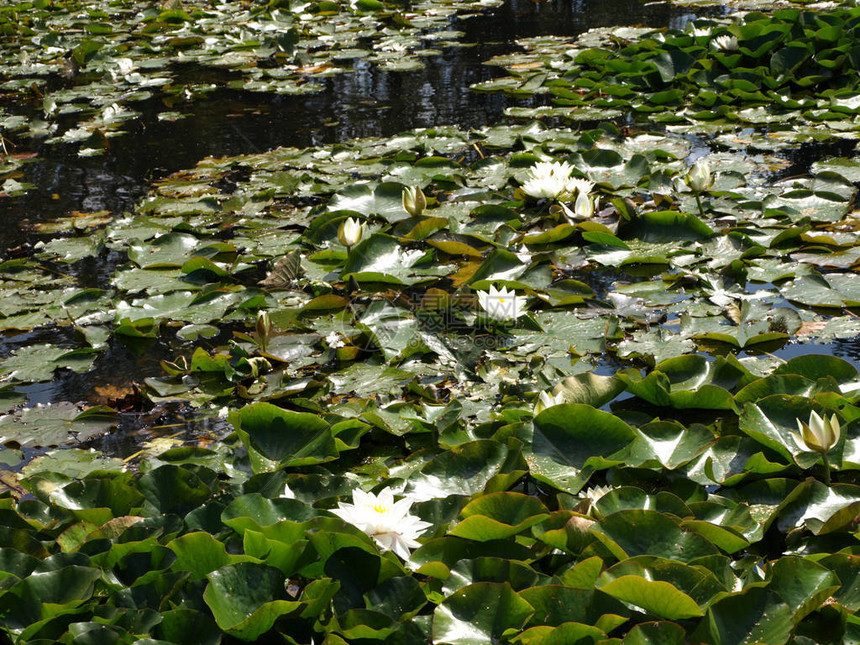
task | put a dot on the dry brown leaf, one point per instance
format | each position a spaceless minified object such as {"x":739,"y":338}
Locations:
{"x":810,"y":328}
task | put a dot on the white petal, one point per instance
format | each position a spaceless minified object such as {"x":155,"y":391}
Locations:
{"x":362,"y":499}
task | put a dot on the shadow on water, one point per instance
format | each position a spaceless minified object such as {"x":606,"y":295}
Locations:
{"x":803,"y":156}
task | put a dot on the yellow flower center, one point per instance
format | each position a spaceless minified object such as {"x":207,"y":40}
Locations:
{"x":379,"y":508}
{"x":501,"y":299}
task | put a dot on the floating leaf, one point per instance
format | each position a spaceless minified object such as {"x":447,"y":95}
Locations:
{"x":282,"y":437}
{"x":498,"y":516}
{"x":246,"y":599}
{"x":478,"y":613}
{"x":633,"y":532}
{"x":656,"y":597}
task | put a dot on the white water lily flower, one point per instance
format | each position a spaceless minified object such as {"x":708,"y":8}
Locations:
{"x":388,"y":522}
{"x":124,"y":67}
{"x":726,"y":43}
{"x":547,"y":400}
{"x":819,"y":435}
{"x":548,"y":179}
{"x":334,"y":340}
{"x":701,"y":31}
{"x":501,"y":304}
{"x":699,"y":176}
{"x":350,"y":232}
{"x":111,"y":112}
{"x":579,"y":185}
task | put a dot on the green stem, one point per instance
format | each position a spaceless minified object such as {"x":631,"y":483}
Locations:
{"x":826,"y":470}
{"x":699,"y":203}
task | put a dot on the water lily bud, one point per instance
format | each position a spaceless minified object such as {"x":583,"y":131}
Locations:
{"x":699,"y":176}
{"x":350,"y":232}
{"x":414,"y":200}
{"x":819,"y":435}
{"x":264,"y":327}
{"x":583,"y":207}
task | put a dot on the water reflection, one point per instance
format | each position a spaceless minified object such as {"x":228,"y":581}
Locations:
{"x":361,"y":103}
{"x":365,"y":103}
{"x":527,"y":18}
{"x":847,"y":348}
{"x":802,"y":157}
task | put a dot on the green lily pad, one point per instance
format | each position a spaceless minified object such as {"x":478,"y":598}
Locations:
{"x":578,"y":434}
{"x":499,"y":515}
{"x":630,"y":533}
{"x":56,"y":424}
{"x":276,"y":436}
{"x":246,"y":599}
{"x":753,"y":615}
{"x":654,"y":596}
{"x":478,"y":613}
{"x":386,"y":200}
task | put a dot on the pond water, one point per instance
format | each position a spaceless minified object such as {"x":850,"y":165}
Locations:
{"x":364,"y":102}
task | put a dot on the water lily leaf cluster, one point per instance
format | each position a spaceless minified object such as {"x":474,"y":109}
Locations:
{"x":90,"y":68}
{"x":456,"y":407}
{"x":663,"y":495}
{"x":650,"y":276}
{"x":578,"y":520}
{"x":790,"y":70}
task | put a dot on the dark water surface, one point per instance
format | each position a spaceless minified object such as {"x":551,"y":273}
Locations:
{"x":363,"y":102}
